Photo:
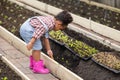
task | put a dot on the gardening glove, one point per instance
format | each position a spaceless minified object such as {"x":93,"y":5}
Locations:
{"x":50,"y":53}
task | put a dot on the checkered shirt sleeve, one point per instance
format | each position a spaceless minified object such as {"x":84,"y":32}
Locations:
{"x":39,"y":28}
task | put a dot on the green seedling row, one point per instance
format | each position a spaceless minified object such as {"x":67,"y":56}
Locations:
{"x":79,"y":47}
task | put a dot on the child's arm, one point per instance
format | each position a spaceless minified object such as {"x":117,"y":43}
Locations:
{"x":47,"y":46}
{"x":31,"y":43}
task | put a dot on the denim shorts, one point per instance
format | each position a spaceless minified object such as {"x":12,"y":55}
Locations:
{"x":26,"y":32}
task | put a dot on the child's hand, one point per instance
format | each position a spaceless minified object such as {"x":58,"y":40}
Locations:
{"x":50,"y":53}
{"x":29,"y":46}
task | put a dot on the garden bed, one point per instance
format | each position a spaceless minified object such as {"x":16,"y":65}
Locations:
{"x":6,"y":73}
{"x":88,"y":70}
{"x":76,"y":47}
{"x":80,"y":8}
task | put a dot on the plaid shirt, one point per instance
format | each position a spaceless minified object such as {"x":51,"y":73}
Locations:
{"x":39,"y":27}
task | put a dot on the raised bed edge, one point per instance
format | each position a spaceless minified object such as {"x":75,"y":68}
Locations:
{"x":101,"y":5}
{"x":21,"y":74}
{"x":55,"y":68}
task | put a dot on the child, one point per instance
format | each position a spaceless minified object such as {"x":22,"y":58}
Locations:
{"x":35,"y":27}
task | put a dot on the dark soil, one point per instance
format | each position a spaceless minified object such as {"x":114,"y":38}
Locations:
{"x":97,"y":14}
{"x":88,"y":70}
{"x":6,"y":73}
{"x":12,"y":16}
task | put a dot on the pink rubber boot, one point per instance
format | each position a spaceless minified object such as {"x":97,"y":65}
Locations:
{"x":42,"y":63}
{"x":31,"y":62}
{"x":39,"y":68}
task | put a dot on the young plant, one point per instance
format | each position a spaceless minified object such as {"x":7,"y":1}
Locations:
{"x":77,"y":46}
{"x":4,"y":78}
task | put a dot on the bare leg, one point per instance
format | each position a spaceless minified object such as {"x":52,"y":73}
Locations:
{"x":36,"y":55}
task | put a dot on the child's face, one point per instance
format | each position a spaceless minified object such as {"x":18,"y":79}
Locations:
{"x":58,"y":26}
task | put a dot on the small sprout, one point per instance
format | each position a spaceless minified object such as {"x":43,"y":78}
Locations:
{"x":21,"y":8}
{"x":4,"y":78}
{"x":66,"y":61}
{"x":20,"y":24}
{"x":107,"y":24}
{"x":10,"y":3}
{"x":109,"y":21}
{"x":7,"y":8}
{"x":13,"y":30}
{"x":11,"y":10}
{"x":9,"y":18}
{"x":89,"y":8}
{"x":102,"y":18}
{"x":118,"y":23}
{"x":116,"y":17}
{"x":81,"y":11}
{"x":94,"y":10}
{"x":5,"y":17}
{"x":88,"y":13}
{"x":117,"y":14}
{"x":20,"y":15}
{"x":23,"y":17}
{"x":4,"y":0}
{"x":15,"y":21}
{"x":17,"y":7}
{"x":114,"y":27}
{"x":0,"y":22}
{"x":2,"y":14}
{"x":96,"y":16}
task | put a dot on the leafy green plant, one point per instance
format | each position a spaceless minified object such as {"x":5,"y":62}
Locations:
{"x":0,"y":22}
{"x":79,"y":47}
{"x":4,"y":78}
{"x":13,"y":29}
{"x":5,"y":17}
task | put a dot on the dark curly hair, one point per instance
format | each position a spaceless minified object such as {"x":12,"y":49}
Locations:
{"x":65,"y":17}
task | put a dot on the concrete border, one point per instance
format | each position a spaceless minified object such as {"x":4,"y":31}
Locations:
{"x":102,"y":5}
{"x":57,"y":69}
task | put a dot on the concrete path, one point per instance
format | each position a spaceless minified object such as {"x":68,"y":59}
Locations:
{"x":21,"y":61}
